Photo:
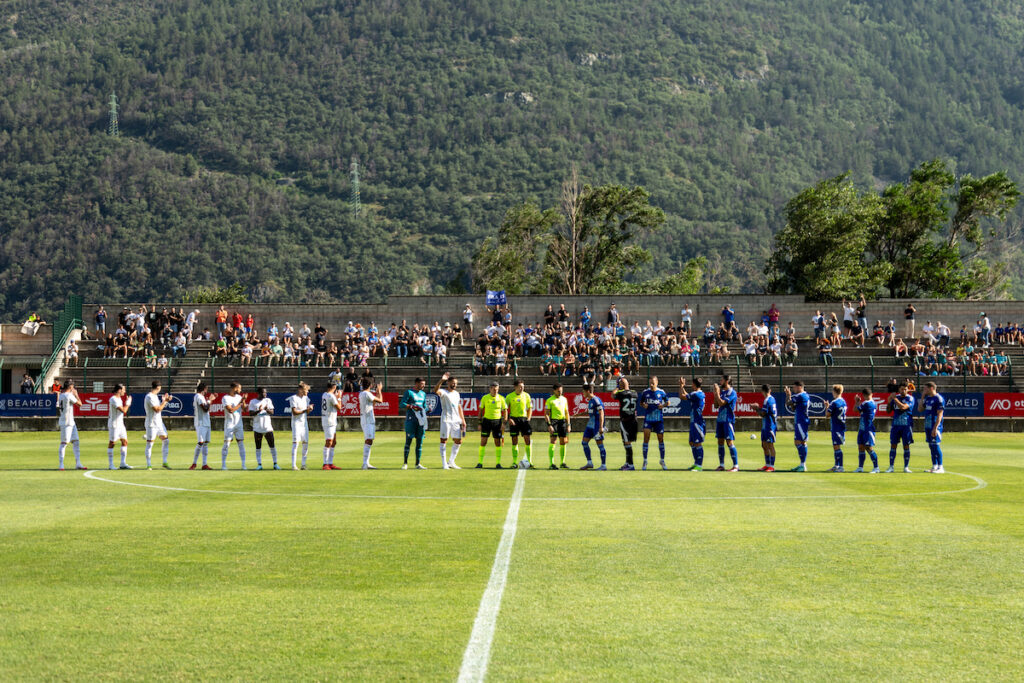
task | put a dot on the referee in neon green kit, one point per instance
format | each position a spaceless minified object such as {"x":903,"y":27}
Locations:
{"x":493,"y":413}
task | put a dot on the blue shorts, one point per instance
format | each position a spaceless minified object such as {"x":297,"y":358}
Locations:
{"x":696,"y":433}
{"x":593,"y":433}
{"x":838,"y":438}
{"x":656,"y":427}
{"x":928,"y":438}
{"x":800,"y":430}
{"x":768,"y":436}
{"x":865,"y":438}
{"x":904,"y":434}
{"x":724,"y":430}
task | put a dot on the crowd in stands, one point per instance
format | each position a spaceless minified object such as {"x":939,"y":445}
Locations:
{"x":562,"y":343}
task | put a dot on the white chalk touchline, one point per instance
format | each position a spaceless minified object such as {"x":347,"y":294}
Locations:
{"x":478,"y":651}
{"x":979,"y":484}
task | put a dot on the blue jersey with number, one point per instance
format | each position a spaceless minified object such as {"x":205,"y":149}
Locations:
{"x":902,"y":417}
{"x":769,"y":415}
{"x":867,"y":415}
{"x":727,"y":411}
{"x":932,"y":406}
{"x":653,"y":400}
{"x":837,"y":412}
{"x":594,"y":407}
{"x":696,"y":400}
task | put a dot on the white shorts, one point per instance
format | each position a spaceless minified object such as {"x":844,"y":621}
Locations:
{"x":329,"y":430}
{"x":237,"y":433}
{"x":300,"y":435}
{"x":68,"y":433}
{"x":155,"y":431}
{"x":369,"y":430}
{"x":117,"y":433}
{"x":203,"y":434}
{"x":451,"y":430}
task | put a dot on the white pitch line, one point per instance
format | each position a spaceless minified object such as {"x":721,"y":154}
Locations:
{"x":979,"y":484}
{"x":478,"y":651}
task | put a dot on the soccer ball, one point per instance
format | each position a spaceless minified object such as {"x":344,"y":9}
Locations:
{"x":753,"y":437}
{"x":524,"y":464}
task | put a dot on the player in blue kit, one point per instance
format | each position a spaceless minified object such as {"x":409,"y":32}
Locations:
{"x":725,"y":424}
{"x":654,"y":401}
{"x":866,"y":430}
{"x":934,"y":411}
{"x":769,"y":423}
{"x":837,"y":420}
{"x":902,"y":430}
{"x":799,"y":401}
{"x":595,"y":427}
{"x":696,"y":399}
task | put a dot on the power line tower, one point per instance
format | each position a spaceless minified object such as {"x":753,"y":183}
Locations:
{"x":112,"y":126}
{"x":354,"y":200}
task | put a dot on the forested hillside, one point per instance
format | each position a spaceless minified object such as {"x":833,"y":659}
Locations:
{"x":239,"y":120}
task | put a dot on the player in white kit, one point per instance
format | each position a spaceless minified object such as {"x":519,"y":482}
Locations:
{"x":300,"y":406}
{"x":117,"y":408}
{"x":369,"y":397}
{"x":155,"y":424}
{"x":453,"y":419}
{"x":330,"y":403}
{"x":262,"y":408}
{"x":66,"y":403}
{"x":201,"y":423}
{"x":233,"y":428}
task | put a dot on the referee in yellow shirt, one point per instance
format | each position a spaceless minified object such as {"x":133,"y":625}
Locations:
{"x":493,"y":413}
{"x":556,"y":413}
{"x":520,"y":410}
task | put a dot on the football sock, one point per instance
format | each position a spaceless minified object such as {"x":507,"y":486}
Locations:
{"x":661,"y":449}
{"x":860,"y":458}
{"x":77,"y":452}
{"x":195,"y":456}
{"x":366,"y":453}
{"x":497,"y":454}
{"x":124,"y":455}
{"x":405,"y":451}
{"x":259,"y":457}
{"x":801,"y":450}
{"x":206,"y":452}
{"x":938,"y":454}
{"x":906,"y":457}
{"x":419,"y":451}
{"x":874,"y":457}
{"x":721,"y":455}
{"x":645,"y":452}
{"x":602,"y":451}
{"x":892,"y":456}
{"x":735,"y":456}
{"x":629,"y":454}
{"x":839,"y":458}
{"x":698,"y":455}
{"x":551,"y":453}
{"x":515,"y":453}
{"x":767,"y":458}
{"x":305,"y":451}
{"x":561,"y":452}
{"x":482,"y":451}
{"x":224,"y":454}
{"x":529,"y":453}
{"x":110,"y":458}
{"x":273,"y":453}
{"x":455,"y":452}
{"x":241,"y":452}
{"x":586,"y":451}
{"x":149,"y":453}
{"x":295,"y":451}
{"x":444,"y":453}
{"x":60,"y":453}
{"x":166,"y":449}
{"x":327,"y":460}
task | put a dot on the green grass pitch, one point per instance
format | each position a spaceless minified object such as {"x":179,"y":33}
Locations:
{"x":614,"y":575}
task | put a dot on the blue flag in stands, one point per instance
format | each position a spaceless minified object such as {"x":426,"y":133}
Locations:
{"x":496,"y":298}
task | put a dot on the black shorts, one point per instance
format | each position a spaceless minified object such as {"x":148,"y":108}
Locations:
{"x":848,"y":324}
{"x":491,"y":428}
{"x":519,"y":426}
{"x":561,"y":428}
{"x":628,"y":428}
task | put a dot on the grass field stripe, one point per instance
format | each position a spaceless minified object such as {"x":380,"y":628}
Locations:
{"x":478,"y":651}
{"x":979,"y":484}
